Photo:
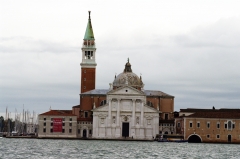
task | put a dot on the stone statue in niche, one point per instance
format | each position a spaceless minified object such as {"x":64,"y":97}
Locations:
{"x":148,"y":122}
{"x":137,"y":120}
{"x":114,"y":120}
{"x":102,"y":120}
{"x":114,"y":103}
{"x":125,"y":118}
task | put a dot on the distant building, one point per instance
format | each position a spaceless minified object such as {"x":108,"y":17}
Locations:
{"x":57,"y":124}
{"x":209,"y":125}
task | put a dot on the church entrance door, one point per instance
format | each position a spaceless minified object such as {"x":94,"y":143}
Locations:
{"x":125,"y":129}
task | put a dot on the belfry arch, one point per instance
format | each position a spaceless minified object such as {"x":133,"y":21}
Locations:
{"x":194,"y":138}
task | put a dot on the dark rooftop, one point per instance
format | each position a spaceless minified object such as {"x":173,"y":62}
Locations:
{"x":147,"y":92}
{"x":59,"y":113}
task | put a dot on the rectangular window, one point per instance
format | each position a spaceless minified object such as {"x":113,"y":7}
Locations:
{"x":178,"y":125}
{"x":78,"y":131}
{"x":44,"y":119}
{"x":63,"y":124}
{"x":51,"y":130}
{"x":198,"y":124}
{"x":70,"y":124}
{"x":70,"y":119}
{"x":208,"y":124}
{"x":51,"y":124}
{"x":44,"y":130}
{"x":218,"y":125}
{"x":63,"y":130}
{"x":208,"y":136}
{"x":90,"y":131}
{"x":190,"y":125}
{"x":233,"y":126}
{"x":166,"y":116}
{"x":225,"y":126}
{"x":44,"y":124}
{"x":70,"y":130}
{"x":218,"y":136}
{"x":86,"y":114}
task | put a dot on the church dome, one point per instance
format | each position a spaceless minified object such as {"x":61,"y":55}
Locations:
{"x":128,"y":78}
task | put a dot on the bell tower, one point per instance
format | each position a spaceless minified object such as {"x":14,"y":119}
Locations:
{"x":88,"y":64}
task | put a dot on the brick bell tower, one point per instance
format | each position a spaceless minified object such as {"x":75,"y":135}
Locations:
{"x":88,"y":65}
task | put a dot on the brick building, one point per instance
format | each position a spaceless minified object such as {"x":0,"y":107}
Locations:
{"x":57,"y":124}
{"x":209,"y":125}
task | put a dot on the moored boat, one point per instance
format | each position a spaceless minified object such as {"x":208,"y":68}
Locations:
{"x":171,"y":138}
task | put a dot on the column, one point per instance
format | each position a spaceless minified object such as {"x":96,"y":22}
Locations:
{"x":117,"y":132}
{"x":133,"y":112}
{"x":94,"y":125}
{"x":141,"y":126}
{"x":142,"y":114}
{"x":110,"y":112}
{"x":97,"y":126}
{"x":133,"y":128}
{"x":109,"y":128}
{"x":118,"y":112}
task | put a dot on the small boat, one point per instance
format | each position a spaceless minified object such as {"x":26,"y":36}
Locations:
{"x":1,"y":135}
{"x":171,"y":138}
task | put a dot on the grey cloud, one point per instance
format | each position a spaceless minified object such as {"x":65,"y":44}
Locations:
{"x":200,"y":68}
{"x":223,"y":33}
{"x":27,"y":44}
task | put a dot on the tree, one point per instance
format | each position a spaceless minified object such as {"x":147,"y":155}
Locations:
{"x":1,"y":123}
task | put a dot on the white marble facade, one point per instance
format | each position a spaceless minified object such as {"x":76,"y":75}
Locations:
{"x":125,"y":114}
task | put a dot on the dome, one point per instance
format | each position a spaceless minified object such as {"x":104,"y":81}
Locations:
{"x":128,"y":78}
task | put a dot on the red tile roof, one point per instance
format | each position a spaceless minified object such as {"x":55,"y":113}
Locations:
{"x":216,"y":114}
{"x":76,"y":106}
{"x":191,"y":110}
{"x":59,"y":113}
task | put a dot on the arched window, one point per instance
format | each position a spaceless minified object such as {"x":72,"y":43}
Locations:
{"x":149,"y":104}
{"x":103,"y":102}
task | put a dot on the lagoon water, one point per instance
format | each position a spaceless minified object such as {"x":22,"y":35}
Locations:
{"x":66,"y":149}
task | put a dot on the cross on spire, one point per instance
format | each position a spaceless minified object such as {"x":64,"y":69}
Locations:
{"x":89,"y":12}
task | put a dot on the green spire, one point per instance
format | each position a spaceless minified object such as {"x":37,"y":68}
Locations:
{"x":89,"y":31}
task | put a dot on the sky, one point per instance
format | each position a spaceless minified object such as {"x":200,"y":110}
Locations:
{"x":188,"y":49}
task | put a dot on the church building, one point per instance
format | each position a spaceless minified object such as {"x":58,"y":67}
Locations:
{"x":125,"y":110}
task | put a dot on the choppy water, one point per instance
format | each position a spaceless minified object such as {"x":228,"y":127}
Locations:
{"x":66,"y":149}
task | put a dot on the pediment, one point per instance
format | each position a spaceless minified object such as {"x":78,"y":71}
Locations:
{"x":148,"y":109}
{"x":126,"y":90}
{"x":101,"y":108}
